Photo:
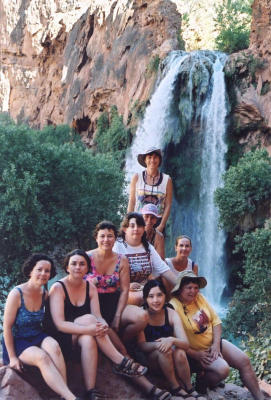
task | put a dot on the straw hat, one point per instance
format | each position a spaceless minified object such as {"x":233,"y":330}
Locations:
{"x":200,"y":280}
{"x":141,"y":157}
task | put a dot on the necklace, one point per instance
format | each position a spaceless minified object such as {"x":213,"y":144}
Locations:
{"x":153,"y":177}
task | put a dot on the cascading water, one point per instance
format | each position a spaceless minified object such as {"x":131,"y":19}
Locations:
{"x":190,"y":101}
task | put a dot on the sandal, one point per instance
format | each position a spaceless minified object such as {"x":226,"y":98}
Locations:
{"x":177,"y":392}
{"x":161,"y":395}
{"x":129,"y":367}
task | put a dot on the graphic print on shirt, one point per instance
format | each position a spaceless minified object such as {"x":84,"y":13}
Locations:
{"x":140,"y":266}
{"x":201,"y":320}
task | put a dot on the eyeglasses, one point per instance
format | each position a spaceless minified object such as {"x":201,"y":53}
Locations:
{"x":202,"y":328}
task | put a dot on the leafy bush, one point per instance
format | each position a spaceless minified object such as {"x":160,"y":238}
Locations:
{"x":53,"y":191}
{"x":233,"y":19}
{"x":246,"y":185}
{"x":249,"y":311}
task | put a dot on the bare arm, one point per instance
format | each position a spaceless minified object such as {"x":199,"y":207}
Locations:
{"x":124,"y":288}
{"x":12,"y":304}
{"x":159,"y":245}
{"x":168,"y":202}
{"x":170,"y":277}
{"x":146,"y":347}
{"x":56,"y":298}
{"x":132,"y":196}
{"x":196,"y":269}
{"x":181,"y":340}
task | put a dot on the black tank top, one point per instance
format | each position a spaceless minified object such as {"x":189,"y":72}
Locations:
{"x":154,"y":332}
{"x":72,"y":312}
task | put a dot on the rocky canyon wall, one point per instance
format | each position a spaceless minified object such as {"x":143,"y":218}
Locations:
{"x":249,"y":82}
{"x":66,"y":61}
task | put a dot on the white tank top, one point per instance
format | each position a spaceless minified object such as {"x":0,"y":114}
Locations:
{"x":189,"y":267}
{"x":155,"y":194}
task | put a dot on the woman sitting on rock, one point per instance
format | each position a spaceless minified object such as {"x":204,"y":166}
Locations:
{"x":182,"y":262}
{"x":209,"y":354}
{"x":165,"y":342}
{"x":24,"y":341}
{"x":110,"y":274}
{"x":144,"y":260}
{"x":76,"y":314}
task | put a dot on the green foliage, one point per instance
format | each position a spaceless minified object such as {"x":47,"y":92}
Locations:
{"x":153,"y":65}
{"x":250,"y":309}
{"x":233,"y":18}
{"x":53,"y":191}
{"x":111,"y":135}
{"x":246,"y":185}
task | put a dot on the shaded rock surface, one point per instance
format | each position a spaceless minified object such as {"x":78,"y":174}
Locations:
{"x":13,"y":386}
{"x":67,"y":61}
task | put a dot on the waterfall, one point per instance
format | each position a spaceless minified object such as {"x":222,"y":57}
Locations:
{"x":190,"y":102}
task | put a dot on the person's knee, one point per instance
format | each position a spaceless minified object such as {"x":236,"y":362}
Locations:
{"x":244,"y":363}
{"x":43,"y":358}
{"x":87,"y":343}
{"x":180,"y":355}
{"x":223,"y":371}
{"x":86,"y":319}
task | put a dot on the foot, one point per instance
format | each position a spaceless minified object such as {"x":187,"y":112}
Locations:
{"x":181,"y":393}
{"x":129,"y":367}
{"x":195,"y":394}
{"x":159,"y":394}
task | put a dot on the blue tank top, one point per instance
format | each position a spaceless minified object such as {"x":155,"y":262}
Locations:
{"x":154,"y":332}
{"x":28,"y":323}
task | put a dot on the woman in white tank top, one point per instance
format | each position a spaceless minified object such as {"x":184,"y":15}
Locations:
{"x":151,"y":186}
{"x":181,"y":262}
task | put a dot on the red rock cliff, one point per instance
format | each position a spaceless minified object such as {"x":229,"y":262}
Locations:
{"x":63,"y":63}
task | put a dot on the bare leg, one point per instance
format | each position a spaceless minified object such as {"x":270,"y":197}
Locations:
{"x":39,"y":358}
{"x":216,"y":372}
{"x":114,"y":337}
{"x":89,"y":359}
{"x":182,"y":367}
{"x":239,"y":360}
{"x":51,"y":347}
{"x":133,"y":320}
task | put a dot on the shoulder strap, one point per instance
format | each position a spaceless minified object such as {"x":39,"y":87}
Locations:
{"x":65,"y":290}
{"x":118,"y":263}
{"x":21,"y":294}
{"x":87,"y":292}
{"x":166,"y":316}
{"x":193,"y":264}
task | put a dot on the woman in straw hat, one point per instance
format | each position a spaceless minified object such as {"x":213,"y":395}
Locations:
{"x":151,"y":186}
{"x":209,"y":355}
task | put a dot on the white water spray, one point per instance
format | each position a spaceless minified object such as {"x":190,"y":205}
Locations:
{"x":199,"y":218}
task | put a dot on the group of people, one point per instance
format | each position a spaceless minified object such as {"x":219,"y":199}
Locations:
{"x":121,"y":295}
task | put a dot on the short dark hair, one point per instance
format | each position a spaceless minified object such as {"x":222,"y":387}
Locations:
{"x":152,"y":283}
{"x":105,"y":225}
{"x":185,"y":281}
{"x":33,"y":259}
{"x":76,"y":252}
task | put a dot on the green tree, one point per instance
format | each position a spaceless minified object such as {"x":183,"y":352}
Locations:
{"x":53,"y":191}
{"x":246,"y":186}
{"x":233,"y":19}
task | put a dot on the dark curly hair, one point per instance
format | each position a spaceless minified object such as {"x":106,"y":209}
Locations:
{"x":140,"y":222}
{"x":32,"y":260}
{"x":76,"y":252}
{"x":105,"y":225}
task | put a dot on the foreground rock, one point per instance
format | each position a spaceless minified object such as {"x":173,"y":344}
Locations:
{"x":12,"y":386}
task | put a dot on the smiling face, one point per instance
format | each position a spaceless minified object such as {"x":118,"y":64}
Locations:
{"x":189,"y":292}
{"x":105,"y":239}
{"x":156,"y":299}
{"x":183,"y":247}
{"x":41,"y":272}
{"x":77,"y":266}
{"x":152,"y":161}
{"x":134,"y":233}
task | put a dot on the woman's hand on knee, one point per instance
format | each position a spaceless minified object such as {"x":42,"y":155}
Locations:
{"x":101,"y":329}
{"x":15,"y":363}
{"x":164,"y":344}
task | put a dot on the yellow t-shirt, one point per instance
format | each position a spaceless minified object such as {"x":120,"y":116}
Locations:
{"x":197,"y":317}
